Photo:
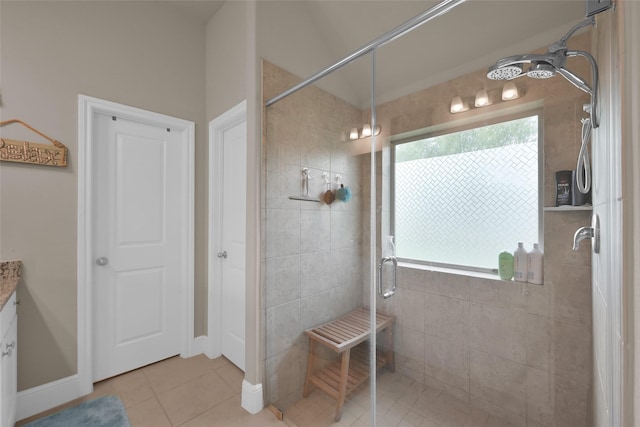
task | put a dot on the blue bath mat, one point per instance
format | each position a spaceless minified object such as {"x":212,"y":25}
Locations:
{"x":106,"y":411}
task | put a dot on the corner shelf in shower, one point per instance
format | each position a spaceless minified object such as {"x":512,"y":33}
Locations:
{"x":304,"y":199}
{"x":568,"y":208}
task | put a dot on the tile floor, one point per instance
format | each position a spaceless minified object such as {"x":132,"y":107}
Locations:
{"x":181,"y":392}
{"x":202,"y":392}
{"x":401,"y":402}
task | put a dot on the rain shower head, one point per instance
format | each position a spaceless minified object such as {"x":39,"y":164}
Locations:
{"x":541,"y":70}
{"x":507,"y":72}
{"x":512,"y":66}
{"x":542,"y":66}
{"x":550,"y":63}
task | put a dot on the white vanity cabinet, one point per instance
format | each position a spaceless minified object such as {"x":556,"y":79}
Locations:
{"x":8,"y":363}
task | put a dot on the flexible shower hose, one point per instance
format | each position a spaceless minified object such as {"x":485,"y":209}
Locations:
{"x":583,"y":180}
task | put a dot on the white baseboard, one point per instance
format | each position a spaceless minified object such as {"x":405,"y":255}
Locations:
{"x":199,"y":346}
{"x":38,"y":399}
{"x":252,"y":399}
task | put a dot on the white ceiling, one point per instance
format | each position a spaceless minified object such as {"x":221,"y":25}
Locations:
{"x":470,"y":37}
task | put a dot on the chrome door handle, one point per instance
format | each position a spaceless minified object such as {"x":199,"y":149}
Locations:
{"x":391,"y":292}
{"x":102,"y":261}
{"x":222,"y":254}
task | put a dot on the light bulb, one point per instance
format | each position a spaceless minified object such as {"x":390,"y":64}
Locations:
{"x":366,"y":130}
{"x":353,"y":134}
{"x":509,"y":91}
{"x":456,"y":105}
{"x":482,"y":98}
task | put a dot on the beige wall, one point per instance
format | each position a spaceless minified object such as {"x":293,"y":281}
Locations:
{"x":134,"y":53}
{"x":226,"y":58}
{"x":226,"y":80}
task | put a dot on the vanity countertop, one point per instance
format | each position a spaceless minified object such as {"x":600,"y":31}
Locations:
{"x":10,"y":273}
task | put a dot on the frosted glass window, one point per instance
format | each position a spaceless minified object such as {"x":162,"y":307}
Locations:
{"x":462,"y":198}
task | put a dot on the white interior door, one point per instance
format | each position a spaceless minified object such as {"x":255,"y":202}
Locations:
{"x":227,"y":234}
{"x":233,"y":233}
{"x":137,"y":245}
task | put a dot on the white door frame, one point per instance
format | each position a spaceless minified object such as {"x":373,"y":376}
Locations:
{"x":217,"y":127}
{"x":88,"y":107}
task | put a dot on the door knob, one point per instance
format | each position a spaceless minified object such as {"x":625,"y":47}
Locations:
{"x":102,"y":261}
{"x":222,"y":254}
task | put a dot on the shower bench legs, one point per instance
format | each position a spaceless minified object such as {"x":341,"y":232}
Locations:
{"x":352,"y":368}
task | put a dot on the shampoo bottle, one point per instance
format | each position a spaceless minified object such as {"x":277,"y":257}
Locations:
{"x":534,"y":265}
{"x":520,"y":263}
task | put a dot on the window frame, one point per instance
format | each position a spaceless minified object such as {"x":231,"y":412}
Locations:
{"x":474,"y":122}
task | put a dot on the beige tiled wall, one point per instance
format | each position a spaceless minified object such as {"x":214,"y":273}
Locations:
{"x":312,"y":258}
{"x":520,"y":351}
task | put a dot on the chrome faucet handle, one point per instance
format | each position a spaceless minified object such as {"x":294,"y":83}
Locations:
{"x":592,"y":232}
{"x":581,"y":234}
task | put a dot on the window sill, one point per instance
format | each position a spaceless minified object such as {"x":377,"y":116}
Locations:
{"x":459,"y":272}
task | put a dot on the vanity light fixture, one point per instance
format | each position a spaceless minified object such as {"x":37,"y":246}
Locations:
{"x":364,"y":132}
{"x":510,"y":91}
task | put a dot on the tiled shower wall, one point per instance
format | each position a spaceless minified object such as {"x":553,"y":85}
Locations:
{"x":520,"y":351}
{"x":312,"y":258}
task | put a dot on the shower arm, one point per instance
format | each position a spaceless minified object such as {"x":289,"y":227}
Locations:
{"x":562,"y":43}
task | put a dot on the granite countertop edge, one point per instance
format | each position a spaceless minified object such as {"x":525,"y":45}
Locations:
{"x":10,"y":274}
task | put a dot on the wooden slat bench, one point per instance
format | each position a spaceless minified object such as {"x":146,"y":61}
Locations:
{"x":352,"y":369}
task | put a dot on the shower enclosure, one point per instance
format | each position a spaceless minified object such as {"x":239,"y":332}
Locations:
{"x":455,"y":346}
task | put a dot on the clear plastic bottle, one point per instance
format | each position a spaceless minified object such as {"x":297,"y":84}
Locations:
{"x":520,"y":263}
{"x":535,"y":262}
{"x":390,"y":248}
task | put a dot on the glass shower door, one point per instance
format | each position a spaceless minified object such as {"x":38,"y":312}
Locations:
{"x":316,"y":246}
